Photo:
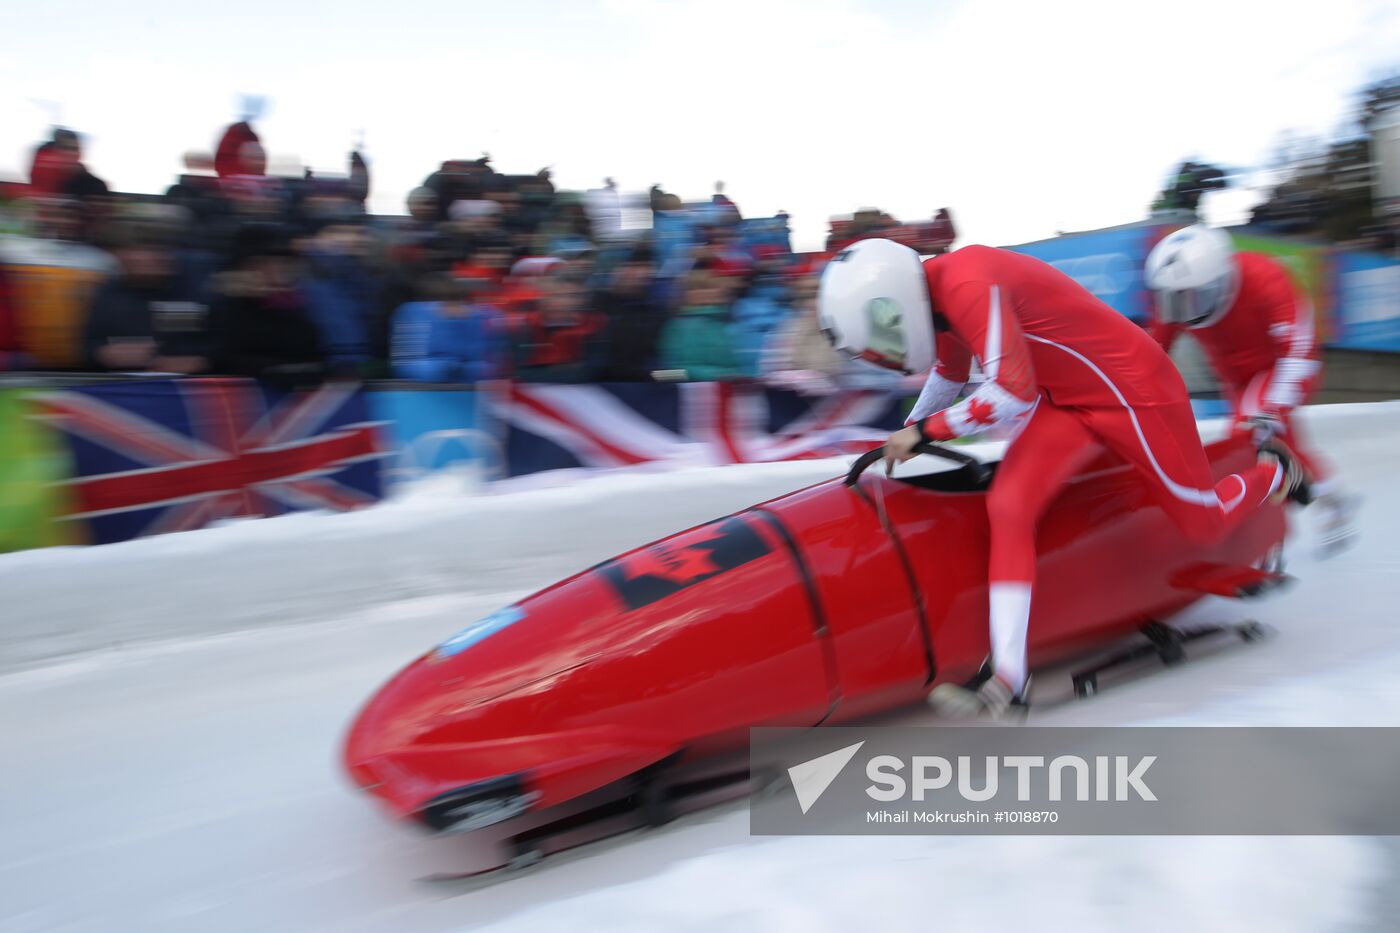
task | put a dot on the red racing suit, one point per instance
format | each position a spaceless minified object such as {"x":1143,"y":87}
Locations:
{"x":1264,"y":349}
{"x":1066,"y":376}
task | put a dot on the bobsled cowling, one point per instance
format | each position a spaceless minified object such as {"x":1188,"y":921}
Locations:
{"x":822,"y":606}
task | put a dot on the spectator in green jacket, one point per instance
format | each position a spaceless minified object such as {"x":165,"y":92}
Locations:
{"x":696,"y":345}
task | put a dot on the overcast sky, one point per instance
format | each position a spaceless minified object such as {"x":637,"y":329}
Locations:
{"x":1023,"y":117}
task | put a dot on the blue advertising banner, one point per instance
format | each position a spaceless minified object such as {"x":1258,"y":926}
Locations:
{"x":1106,"y":262}
{"x":766,"y":231}
{"x":1368,"y":302}
{"x":433,"y":430}
{"x":673,"y":234}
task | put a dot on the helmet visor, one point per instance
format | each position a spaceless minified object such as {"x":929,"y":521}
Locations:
{"x":1193,"y":306}
{"x":887,"y":345}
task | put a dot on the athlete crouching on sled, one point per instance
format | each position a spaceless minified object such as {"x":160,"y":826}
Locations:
{"x":1258,"y":331}
{"x":1066,"y":376}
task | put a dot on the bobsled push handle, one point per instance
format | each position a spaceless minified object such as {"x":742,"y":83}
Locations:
{"x":976,"y":467}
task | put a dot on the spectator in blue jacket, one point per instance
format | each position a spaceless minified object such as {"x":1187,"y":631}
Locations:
{"x":762,"y":306}
{"x":452,"y":339}
{"x":343,"y":294}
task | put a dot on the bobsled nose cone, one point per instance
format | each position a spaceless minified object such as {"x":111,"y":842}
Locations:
{"x":369,"y":744}
{"x":677,"y":645}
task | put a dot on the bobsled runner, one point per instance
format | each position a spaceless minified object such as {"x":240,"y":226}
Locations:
{"x":623,"y":695}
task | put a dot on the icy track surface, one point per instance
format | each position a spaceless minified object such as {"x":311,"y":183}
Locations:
{"x":171,"y":712}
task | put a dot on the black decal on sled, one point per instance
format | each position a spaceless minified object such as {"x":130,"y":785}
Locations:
{"x":668,"y":567}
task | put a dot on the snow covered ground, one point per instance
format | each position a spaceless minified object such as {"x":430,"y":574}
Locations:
{"x":172,"y":710}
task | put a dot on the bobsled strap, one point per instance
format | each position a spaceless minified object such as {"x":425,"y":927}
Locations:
{"x":978,"y":470}
{"x":863,"y":462}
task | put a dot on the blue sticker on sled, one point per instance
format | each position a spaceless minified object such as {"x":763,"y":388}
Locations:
{"x":482,"y":628}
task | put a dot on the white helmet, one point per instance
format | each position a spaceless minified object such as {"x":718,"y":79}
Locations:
{"x":1193,"y":275}
{"x":873,"y":305}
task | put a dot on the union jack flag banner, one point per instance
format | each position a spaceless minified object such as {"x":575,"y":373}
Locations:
{"x":550,"y":427}
{"x":156,"y":456}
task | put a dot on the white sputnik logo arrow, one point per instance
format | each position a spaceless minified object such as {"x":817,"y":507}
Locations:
{"x":811,"y":778}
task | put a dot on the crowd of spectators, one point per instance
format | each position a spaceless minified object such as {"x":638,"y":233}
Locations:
{"x":235,"y":271}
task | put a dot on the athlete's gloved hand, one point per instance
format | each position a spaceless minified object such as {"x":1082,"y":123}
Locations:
{"x":1263,"y":427}
{"x":900,"y":446}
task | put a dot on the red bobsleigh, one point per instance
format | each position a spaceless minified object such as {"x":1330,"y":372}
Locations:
{"x":624,"y":694}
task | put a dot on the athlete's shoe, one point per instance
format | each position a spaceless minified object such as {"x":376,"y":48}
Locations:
{"x":1336,"y":529}
{"x":989,"y":698}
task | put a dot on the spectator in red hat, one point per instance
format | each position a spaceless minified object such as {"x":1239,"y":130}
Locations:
{"x":52,"y":168}
{"x":58,"y":170}
{"x":239,"y":152}
{"x":522,"y":290}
